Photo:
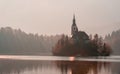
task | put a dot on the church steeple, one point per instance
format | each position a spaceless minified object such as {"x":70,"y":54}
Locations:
{"x":74,"y":22}
{"x":74,"y":29}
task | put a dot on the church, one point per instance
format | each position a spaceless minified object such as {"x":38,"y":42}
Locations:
{"x":78,"y":36}
{"x":78,"y":45}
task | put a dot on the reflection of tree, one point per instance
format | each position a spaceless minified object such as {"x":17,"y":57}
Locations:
{"x":58,"y":67}
{"x":81,"y":67}
{"x":19,"y":66}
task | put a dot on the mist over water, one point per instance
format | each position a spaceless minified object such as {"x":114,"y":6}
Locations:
{"x":58,"y":65}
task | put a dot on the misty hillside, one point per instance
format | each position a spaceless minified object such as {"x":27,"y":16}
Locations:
{"x":13,"y":41}
{"x":114,"y":40}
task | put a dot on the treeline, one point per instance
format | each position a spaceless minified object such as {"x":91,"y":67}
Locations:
{"x":82,"y":45}
{"x":15,"y":41}
{"x":113,"y":40}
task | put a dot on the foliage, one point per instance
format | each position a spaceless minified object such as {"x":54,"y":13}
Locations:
{"x":82,"y":46}
{"x":14,"y":41}
{"x":113,"y":40}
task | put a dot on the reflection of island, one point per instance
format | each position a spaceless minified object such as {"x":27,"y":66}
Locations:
{"x":57,"y":67}
{"x":83,"y":67}
{"x":54,"y":67}
{"x":80,"y":44}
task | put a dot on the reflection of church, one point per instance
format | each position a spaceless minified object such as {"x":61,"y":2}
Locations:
{"x":78,"y":36}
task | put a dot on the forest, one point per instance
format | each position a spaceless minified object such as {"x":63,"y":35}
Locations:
{"x":15,"y":41}
{"x":113,"y":40}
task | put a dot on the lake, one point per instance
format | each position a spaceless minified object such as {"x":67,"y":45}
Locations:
{"x":19,"y":64}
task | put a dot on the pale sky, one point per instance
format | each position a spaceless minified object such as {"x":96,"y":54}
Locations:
{"x":55,"y":16}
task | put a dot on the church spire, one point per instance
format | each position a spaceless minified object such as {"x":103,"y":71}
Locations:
{"x":74,"y":29}
{"x":74,"y":20}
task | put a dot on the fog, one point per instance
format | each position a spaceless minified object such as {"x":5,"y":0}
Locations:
{"x":55,"y":16}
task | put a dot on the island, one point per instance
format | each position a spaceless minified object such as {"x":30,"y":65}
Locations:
{"x":80,"y":44}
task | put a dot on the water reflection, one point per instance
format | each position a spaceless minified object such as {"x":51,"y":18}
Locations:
{"x":83,"y":67}
{"x":57,"y":67}
{"x":26,"y":67}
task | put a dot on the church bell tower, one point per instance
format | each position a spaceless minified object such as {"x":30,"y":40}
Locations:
{"x":74,"y":29}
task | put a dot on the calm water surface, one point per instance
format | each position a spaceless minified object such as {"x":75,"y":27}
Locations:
{"x":59,"y":65}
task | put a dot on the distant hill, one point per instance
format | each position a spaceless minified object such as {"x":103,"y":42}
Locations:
{"x":113,"y":40}
{"x":15,"y":41}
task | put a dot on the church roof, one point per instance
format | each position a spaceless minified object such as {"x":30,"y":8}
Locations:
{"x":83,"y":35}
